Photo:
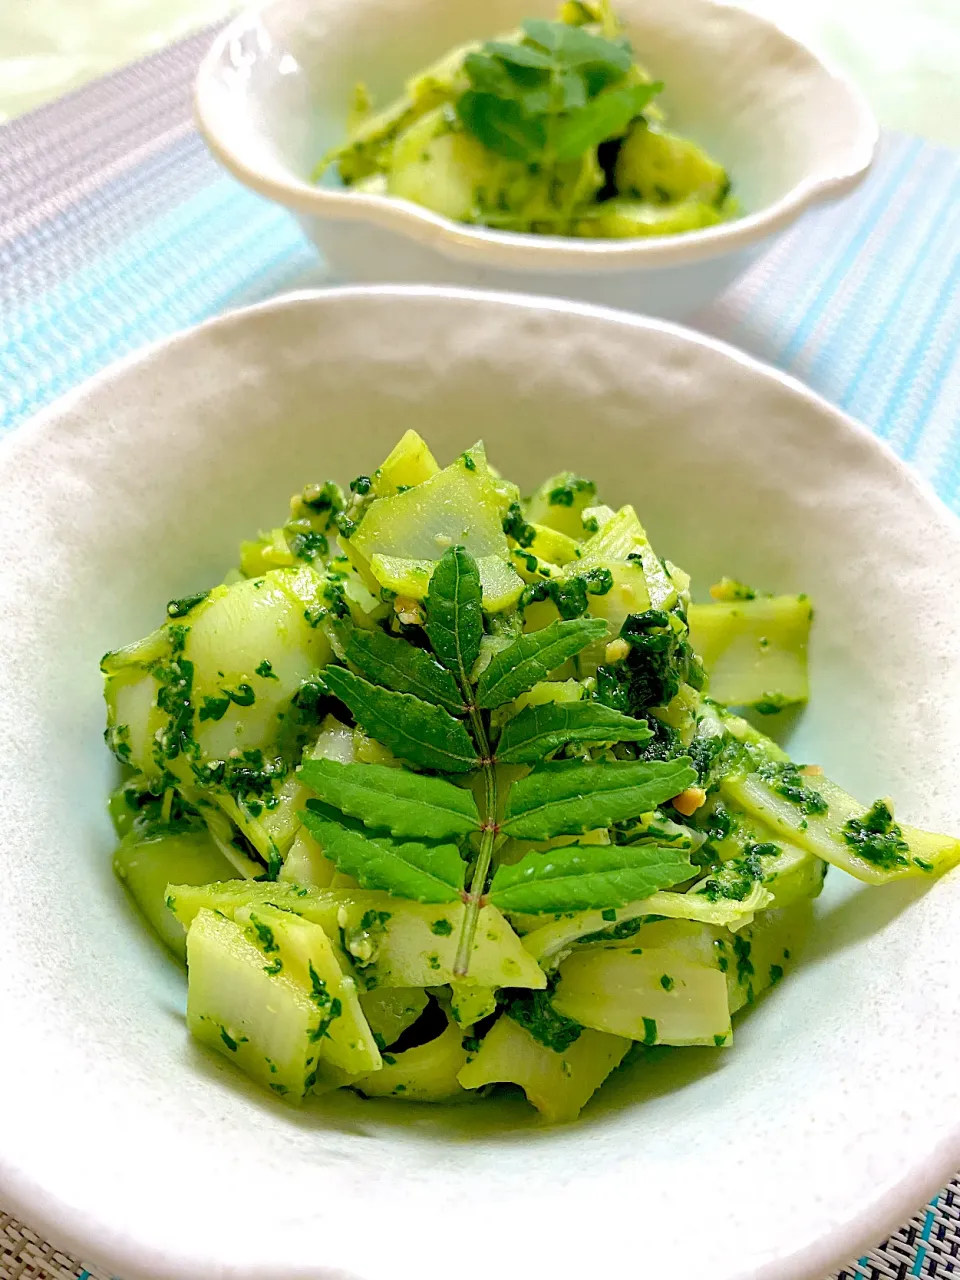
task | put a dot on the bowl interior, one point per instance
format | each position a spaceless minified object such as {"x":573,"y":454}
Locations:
{"x":279,"y":91}
{"x":828,"y":1117}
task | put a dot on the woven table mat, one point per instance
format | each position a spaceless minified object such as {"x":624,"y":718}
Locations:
{"x":117,"y":228}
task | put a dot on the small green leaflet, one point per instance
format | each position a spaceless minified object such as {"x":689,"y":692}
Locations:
{"x":454,"y":614}
{"x":502,"y":125}
{"x":586,"y":877}
{"x":536,"y":731}
{"x":421,"y":872}
{"x":569,"y":797}
{"x":412,"y":729}
{"x":517,"y":55}
{"x":532,"y":657}
{"x":395,"y":800}
{"x":526,"y":99}
{"x":573,"y":47}
{"x":606,"y":116}
{"x":401,"y":666}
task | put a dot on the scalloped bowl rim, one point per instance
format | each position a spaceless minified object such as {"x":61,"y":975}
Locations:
{"x":520,"y":251}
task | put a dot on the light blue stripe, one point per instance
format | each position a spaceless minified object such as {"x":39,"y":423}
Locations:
{"x":936,"y":318}
{"x":880,"y":280}
{"x":860,"y":208}
{"x":939,"y":216}
{"x":917,"y":1267}
{"x":856,"y":243}
{"x":189,"y":264}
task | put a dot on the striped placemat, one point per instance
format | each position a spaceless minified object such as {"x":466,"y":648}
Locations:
{"x":117,"y":228}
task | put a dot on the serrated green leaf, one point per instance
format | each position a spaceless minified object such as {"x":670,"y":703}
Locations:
{"x":408,"y":869}
{"x":569,"y":797}
{"x":536,"y":731}
{"x":414,"y":730}
{"x":405,"y":804}
{"x":606,"y":116}
{"x":401,"y":666}
{"x":533,"y":656}
{"x":585,"y":877}
{"x":454,"y":612}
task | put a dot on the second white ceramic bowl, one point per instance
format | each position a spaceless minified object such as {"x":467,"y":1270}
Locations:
{"x":273,"y":92}
{"x":836,"y":1111}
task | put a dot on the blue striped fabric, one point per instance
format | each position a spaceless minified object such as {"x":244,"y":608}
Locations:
{"x":117,"y":228}
{"x":862,"y":300}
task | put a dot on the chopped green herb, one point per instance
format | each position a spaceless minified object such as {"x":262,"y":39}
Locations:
{"x":786,"y":781}
{"x":180,"y":608}
{"x":876,"y":838}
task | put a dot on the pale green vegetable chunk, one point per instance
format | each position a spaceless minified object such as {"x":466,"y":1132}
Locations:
{"x":427,"y":1073}
{"x":147,"y":864}
{"x":393,"y":942}
{"x":409,"y":462}
{"x":470,"y":1002}
{"x":548,"y":691}
{"x":234,"y":632}
{"x":306,"y":864}
{"x":442,"y":169}
{"x":500,"y":584}
{"x":628,"y":594}
{"x":559,"y":1085}
{"x":660,"y":167}
{"x":553,"y":546}
{"x":689,"y":939}
{"x":816,"y":814}
{"x":390,"y":1010}
{"x":751,"y":849}
{"x":228,"y":896}
{"x":303,"y":953}
{"x":559,"y":503}
{"x":656,"y":997}
{"x":759,"y":955}
{"x":550,"y":943}
{"x":623,"y":540}
{"x":275,"y":828}
{"x":620,"y":219}
{"x":264,"y":1023}
{"x":458,"y":506}
{"x":413,"y":944}
{"x":754,"y":651}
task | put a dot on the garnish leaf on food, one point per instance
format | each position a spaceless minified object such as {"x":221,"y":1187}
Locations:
{"x":536,"y":731}
{"x":605,"y":116}
{"x":552,"y":95}
{"x":532,"y":657}
{"x":404,"y":803}
{"x":569,"y":797}
{"x":408,"y":869}
{"x":396,"y":664}
{"x":502,"y":124}
{"x":582,"y":877}
{"x":454,"y":613}
{"x":413,"y":729}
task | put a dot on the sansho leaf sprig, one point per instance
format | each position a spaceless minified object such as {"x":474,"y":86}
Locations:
{"x":553,"y":94}
{"x":418,"y":834}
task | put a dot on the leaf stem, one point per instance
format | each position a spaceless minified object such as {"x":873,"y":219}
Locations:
{"x":487,"y":841}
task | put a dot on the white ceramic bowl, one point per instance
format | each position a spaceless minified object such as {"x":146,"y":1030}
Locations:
{"x":837,"y":1109}
{"x":272,"y":96}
